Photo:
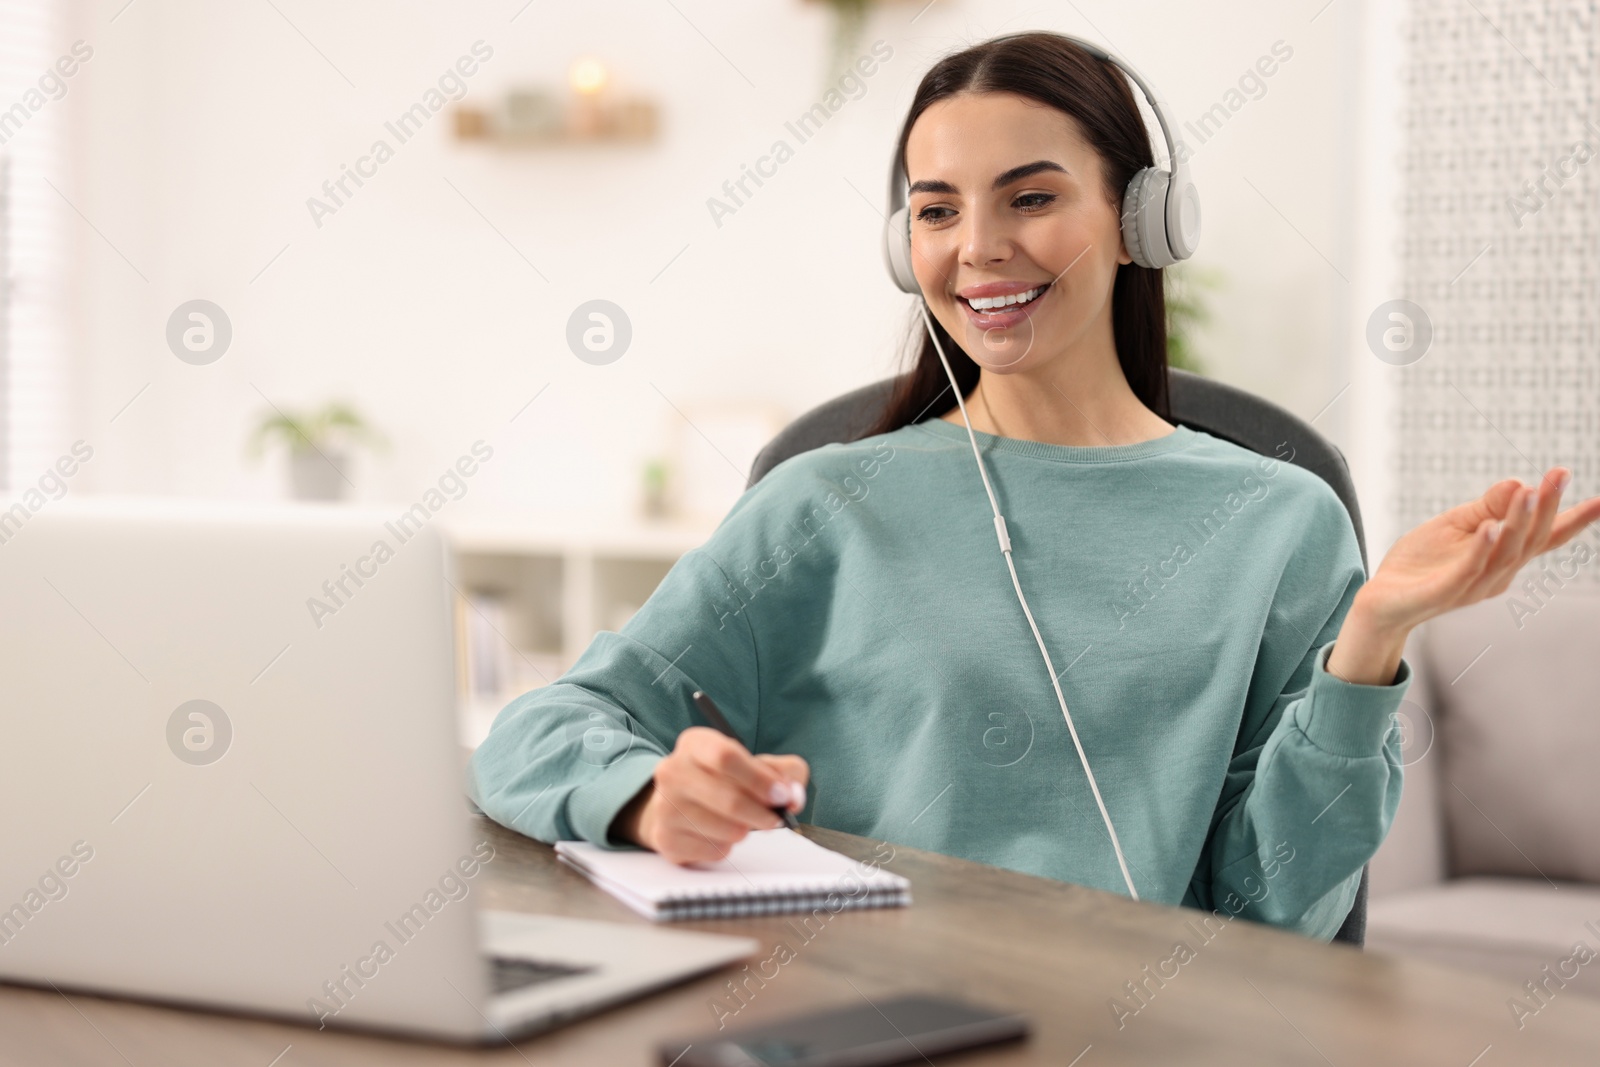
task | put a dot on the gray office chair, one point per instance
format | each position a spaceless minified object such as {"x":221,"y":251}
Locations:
{"x":1199,"y":403}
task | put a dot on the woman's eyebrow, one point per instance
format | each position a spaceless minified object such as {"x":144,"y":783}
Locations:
{"x":931,"y":185}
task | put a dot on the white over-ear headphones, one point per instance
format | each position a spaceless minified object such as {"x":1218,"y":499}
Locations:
{"x":1160,"y":208}
{"x":1160,"y":226}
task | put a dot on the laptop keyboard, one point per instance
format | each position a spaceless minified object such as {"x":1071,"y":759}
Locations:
{"x":508,"y":974}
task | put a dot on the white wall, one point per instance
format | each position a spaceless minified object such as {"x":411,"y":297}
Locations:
{"x":202,"y":128}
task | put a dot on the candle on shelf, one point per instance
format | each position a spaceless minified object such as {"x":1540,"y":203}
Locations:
{"x":588,"y":79}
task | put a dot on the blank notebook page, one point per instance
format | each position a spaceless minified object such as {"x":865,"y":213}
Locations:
{"x":769,"y":872}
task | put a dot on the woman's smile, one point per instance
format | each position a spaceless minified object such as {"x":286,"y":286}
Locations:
{"x":1003,"y":318}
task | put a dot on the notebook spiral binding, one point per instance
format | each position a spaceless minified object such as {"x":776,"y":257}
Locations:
{"x":725,"y":906}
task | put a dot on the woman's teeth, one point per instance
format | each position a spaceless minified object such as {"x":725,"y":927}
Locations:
{"x":995,"y":302}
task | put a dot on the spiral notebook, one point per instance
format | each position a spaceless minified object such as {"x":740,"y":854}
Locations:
{"x":770,"y":872}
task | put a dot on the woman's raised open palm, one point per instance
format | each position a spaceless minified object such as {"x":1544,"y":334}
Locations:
{"x":1474,"y":550}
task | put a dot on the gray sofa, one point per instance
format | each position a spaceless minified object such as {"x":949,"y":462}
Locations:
{"x":1493,"y":863}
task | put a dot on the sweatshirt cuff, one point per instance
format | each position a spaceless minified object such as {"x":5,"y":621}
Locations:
{"x":1348,"y":718}
{"x":593,"y":805}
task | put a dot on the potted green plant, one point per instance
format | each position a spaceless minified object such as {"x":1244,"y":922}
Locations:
{"x":1188,"y":308}
{"x":320,"y":443}
{"x":656,"y":502}
{"x":850,"y":19}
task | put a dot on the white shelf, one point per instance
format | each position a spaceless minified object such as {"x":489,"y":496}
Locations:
{"x":633,"y":540}
{"x":543,"y":589}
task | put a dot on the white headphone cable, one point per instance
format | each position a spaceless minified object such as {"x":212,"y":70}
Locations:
{"x":1005,"y":548}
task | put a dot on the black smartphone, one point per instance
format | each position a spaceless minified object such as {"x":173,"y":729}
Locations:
{"x":906,"y":1028}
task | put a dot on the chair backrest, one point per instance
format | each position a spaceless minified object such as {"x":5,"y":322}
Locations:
{"x":1200,"y":403}
{"x":1197,"y":402}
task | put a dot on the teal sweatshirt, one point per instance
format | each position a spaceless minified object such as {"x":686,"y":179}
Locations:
{"x":854,"y":608}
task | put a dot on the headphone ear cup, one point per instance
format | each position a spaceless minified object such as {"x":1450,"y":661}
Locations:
{"x":1144,"y":218}
{"x":897,"y":251}
{"x":1183,"y":219}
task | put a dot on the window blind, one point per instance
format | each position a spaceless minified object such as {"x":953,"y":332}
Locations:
{"x":33,"y":244}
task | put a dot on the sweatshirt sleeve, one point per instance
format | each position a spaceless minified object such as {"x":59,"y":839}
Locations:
{"x":1314,"y":781}
{"x":561,"y":761}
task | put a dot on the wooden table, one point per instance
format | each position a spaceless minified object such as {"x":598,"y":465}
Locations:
{"x":1060,"y":953}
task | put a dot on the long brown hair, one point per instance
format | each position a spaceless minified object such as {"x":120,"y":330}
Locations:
{"x":1055,"y":71}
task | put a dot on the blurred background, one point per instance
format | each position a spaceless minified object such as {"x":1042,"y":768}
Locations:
{"x":273,"y":250}
{"x":179,"y":163}
{"x":282,"y":250}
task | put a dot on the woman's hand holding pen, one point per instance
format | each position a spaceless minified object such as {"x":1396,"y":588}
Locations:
{"x":707,"y":794}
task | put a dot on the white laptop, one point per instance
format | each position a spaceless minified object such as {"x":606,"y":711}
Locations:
{"x":231,"y":780}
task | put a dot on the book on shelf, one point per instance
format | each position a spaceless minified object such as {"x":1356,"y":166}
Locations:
{"x":489,"y":668}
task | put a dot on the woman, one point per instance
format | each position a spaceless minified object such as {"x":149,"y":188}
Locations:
{"x":1231,"y":673}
